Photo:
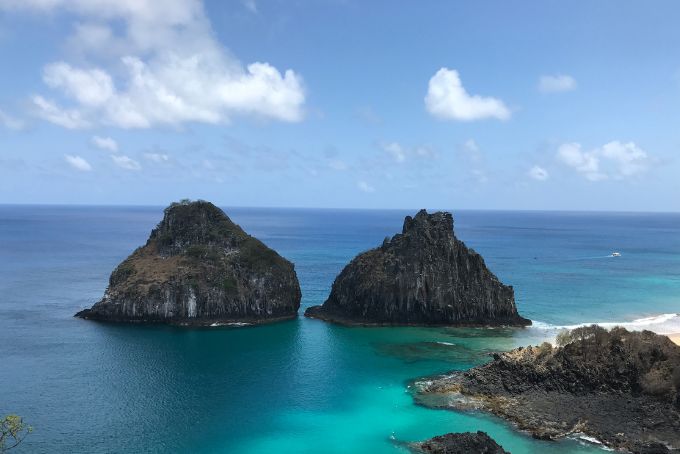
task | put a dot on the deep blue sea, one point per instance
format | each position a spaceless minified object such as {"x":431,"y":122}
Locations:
{"x":302,"y":386}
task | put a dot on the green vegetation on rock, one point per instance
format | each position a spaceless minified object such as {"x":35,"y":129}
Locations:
{"x":13,"y":430}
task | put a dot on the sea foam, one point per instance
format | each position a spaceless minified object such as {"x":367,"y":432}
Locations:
{"x":660,"y":324}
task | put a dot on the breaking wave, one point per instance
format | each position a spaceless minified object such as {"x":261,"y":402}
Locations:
{"x":660,"y":324}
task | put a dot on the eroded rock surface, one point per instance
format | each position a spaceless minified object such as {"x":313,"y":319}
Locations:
{"x":199,"y":268}
{"x":620,"y":387}
{"x":460,"y":443}
{"x":423,"y":276}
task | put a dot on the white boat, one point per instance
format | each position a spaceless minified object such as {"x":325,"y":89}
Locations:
{"x":616,"y":254}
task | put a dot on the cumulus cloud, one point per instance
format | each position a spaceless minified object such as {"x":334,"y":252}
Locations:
{"x":539,"y":173}
{"x":447,"y":99}
{"x":164,"y":67}
{"x":105,"y":143}
{"x":615,"y":160}
{"x":556,"y":83}
{"x":78,"y":163}
{"x":125,"y":162}
{"x":365,"y":187}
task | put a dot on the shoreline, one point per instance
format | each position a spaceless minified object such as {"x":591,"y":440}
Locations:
{"x":675,"y":338}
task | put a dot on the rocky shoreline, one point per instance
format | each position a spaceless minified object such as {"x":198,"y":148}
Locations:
{"x":619,"y":387}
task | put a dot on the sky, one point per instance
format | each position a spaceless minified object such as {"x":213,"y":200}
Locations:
{"x":482,"y":104}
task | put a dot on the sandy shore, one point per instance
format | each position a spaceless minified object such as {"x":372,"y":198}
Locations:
{"x":675,"y":338}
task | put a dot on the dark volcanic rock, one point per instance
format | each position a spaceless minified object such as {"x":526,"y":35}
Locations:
{"x":423,"y":276}
{"x":460,"y":443}
{"x":199,"y":268}
{"x":623,"y":388}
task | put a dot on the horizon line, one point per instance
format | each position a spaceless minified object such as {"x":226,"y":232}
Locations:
{"x":518,"y":210}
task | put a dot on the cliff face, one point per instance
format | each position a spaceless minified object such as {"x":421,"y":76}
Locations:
{"x":198,"y":267}
{"x":620,"y":387}
{"x":423,"y":276}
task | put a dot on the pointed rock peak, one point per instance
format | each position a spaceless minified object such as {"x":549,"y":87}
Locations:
{"x":198,"y":222}
{"x":199,"y":268}
{"x":441,"y":222}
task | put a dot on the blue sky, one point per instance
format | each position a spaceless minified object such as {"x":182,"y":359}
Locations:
{"x":484,"y":104}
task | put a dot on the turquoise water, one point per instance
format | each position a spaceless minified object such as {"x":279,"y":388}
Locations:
{"x":299,"y":386}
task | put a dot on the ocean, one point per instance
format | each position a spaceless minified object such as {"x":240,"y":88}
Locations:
{"x":301,"y":386}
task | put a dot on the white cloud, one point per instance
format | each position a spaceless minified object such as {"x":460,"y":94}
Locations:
{"x":67,"y":118}
{"x":105,"y":143}
{"x":164,"y":66}
{"x":78,"y":163}
{"x":629,"y":158}
{"x":93,"y":87}
{"x":125,"y":162}
{"x":157,"y":157}
{"x":613,"y":160}
{"x":10,"y":122}
{"x":396,"y":151}
{"x":365,"y":187}
{"x":586,"y":163}
{"x":539,"y":173}
{"x":400,"y":153}
{"x":447,"y":99}
{"x":557,"y":83}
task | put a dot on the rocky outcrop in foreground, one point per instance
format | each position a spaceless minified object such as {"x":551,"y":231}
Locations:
{"x":423,"y":276}
{"x":620,"y":387}
{"x":459,"y":443}
{"x":199,"y":268}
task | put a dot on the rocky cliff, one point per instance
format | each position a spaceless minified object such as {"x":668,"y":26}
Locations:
{"x":199,"y":268}
{"x":620,"y":387}
{"x":459,"y":443}
{"x":423,"y":276}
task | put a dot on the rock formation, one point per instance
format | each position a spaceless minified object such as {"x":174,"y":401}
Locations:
{"x":423,"y":276}
{"x":620,"y":387}
{"x":459,"y":443}
{"x":199,"y":268}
